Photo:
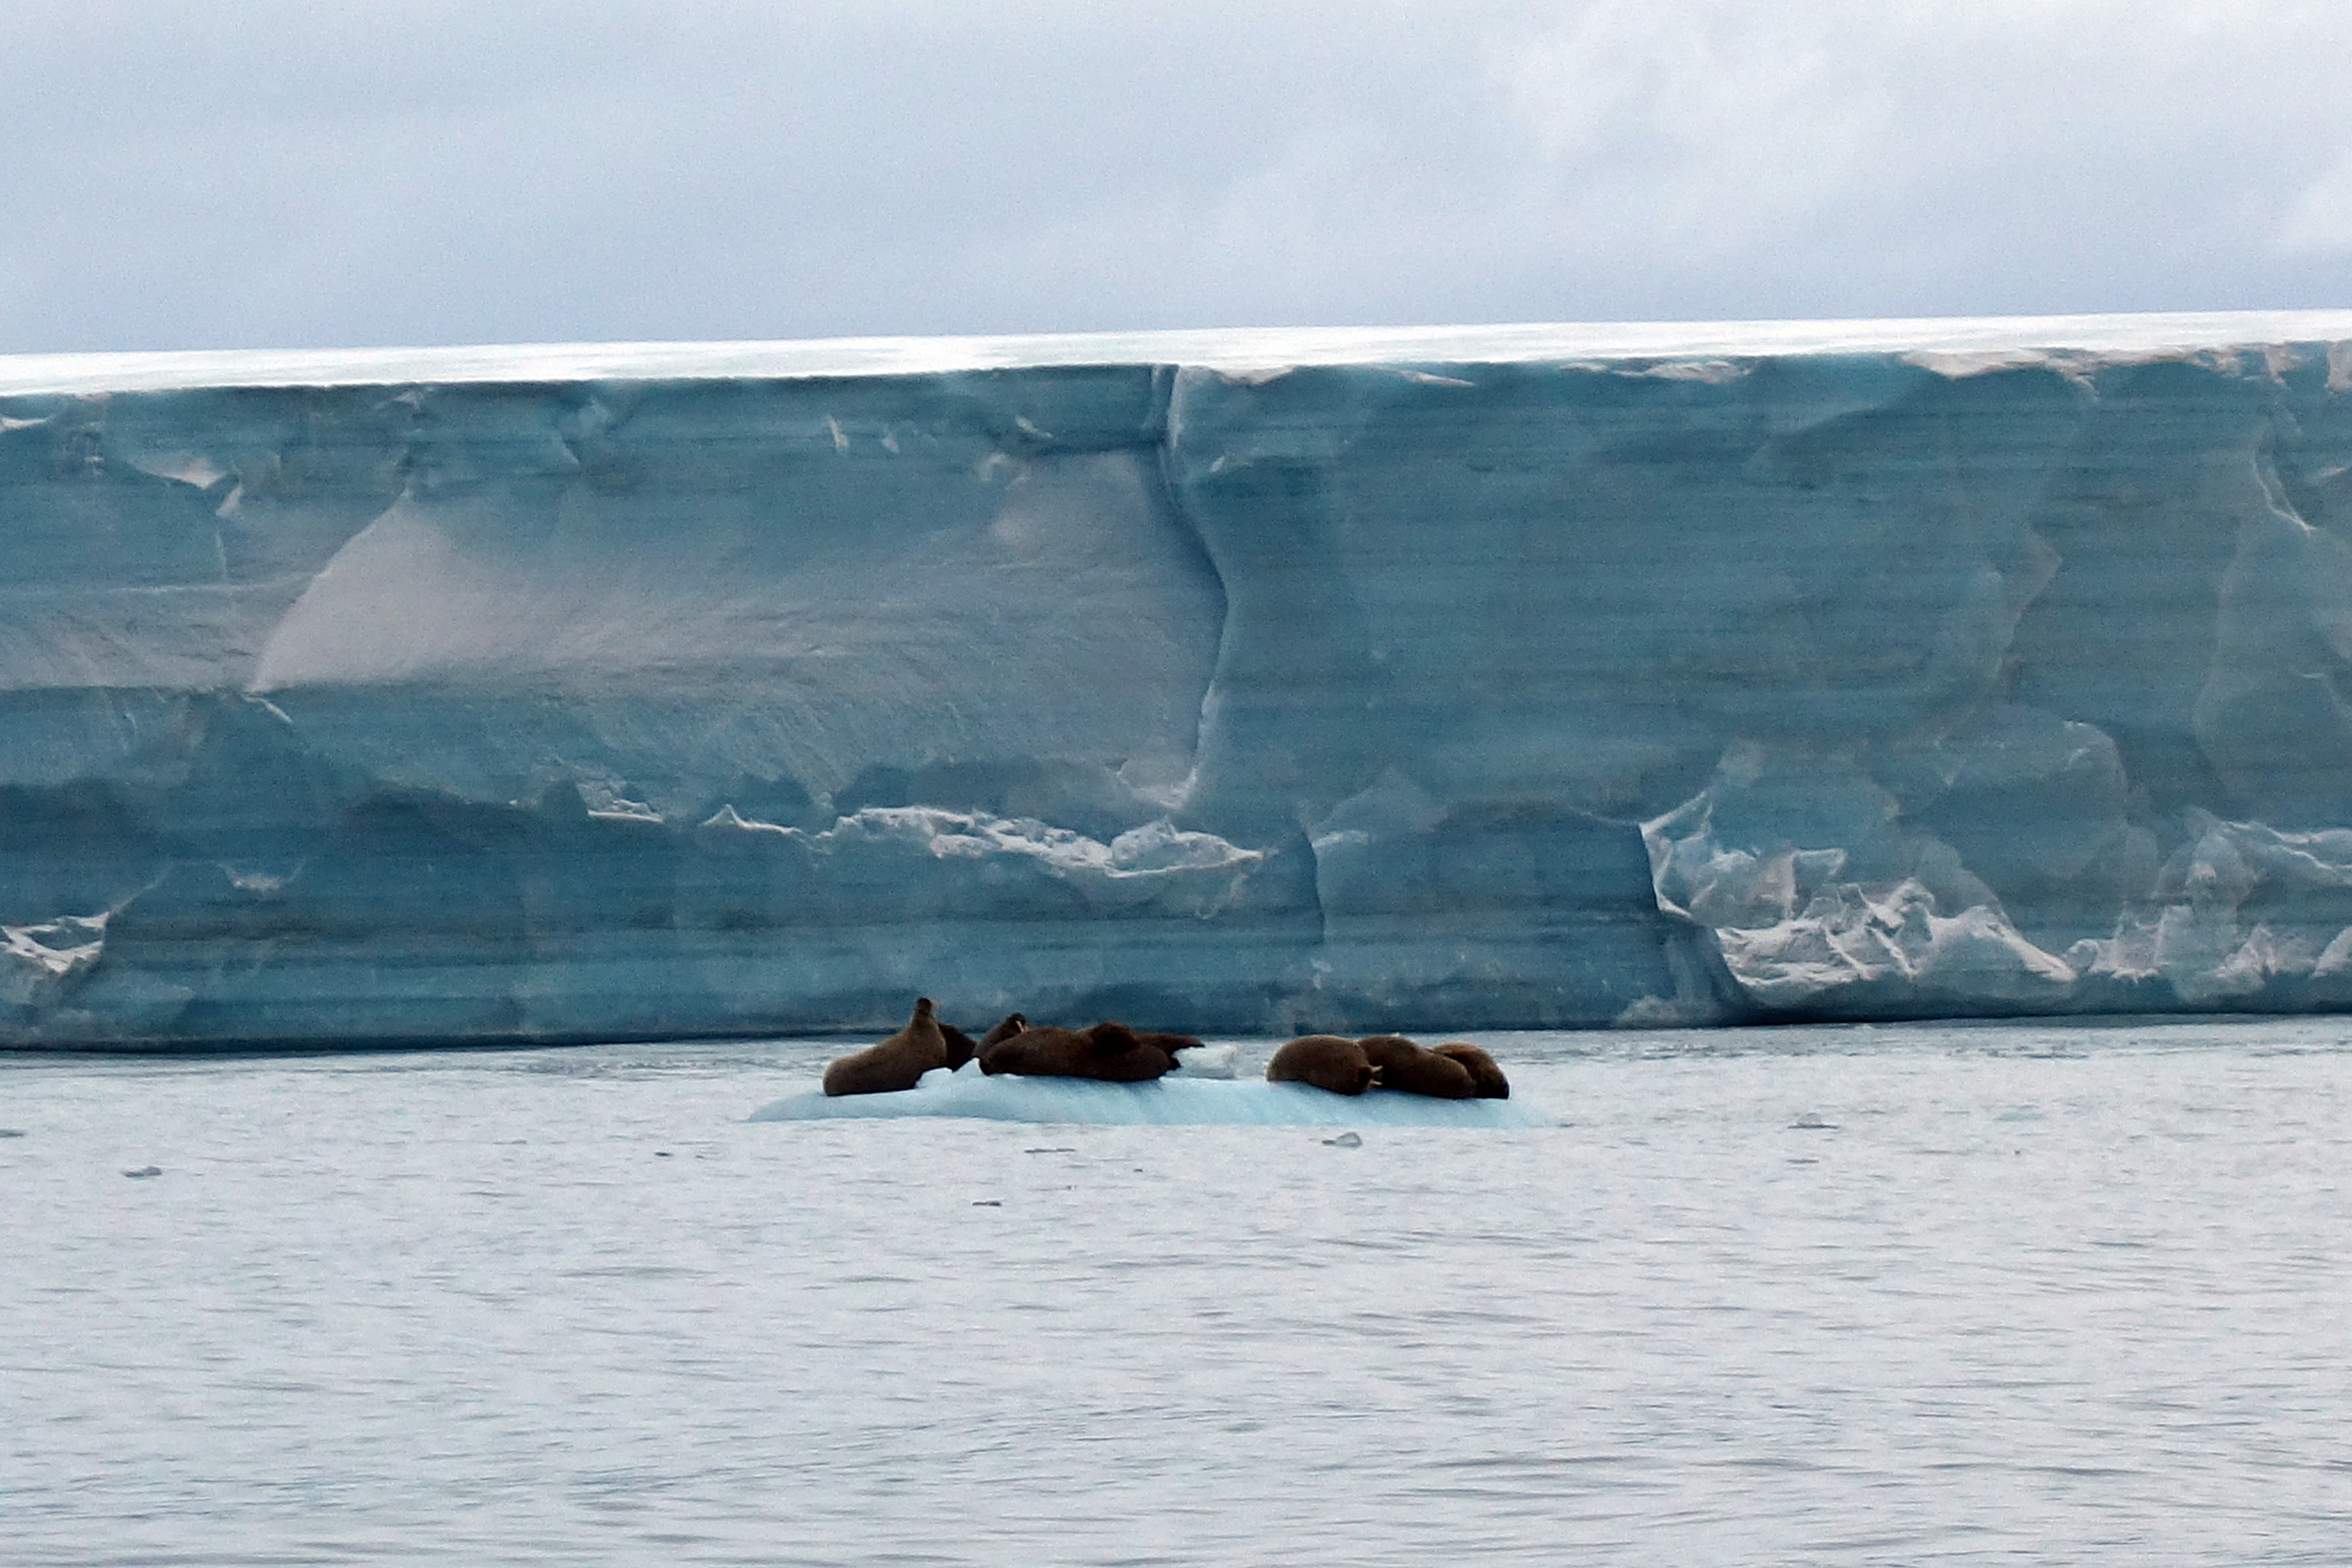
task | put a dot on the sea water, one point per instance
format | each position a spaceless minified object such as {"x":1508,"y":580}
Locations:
{"x":1909,"y":1294}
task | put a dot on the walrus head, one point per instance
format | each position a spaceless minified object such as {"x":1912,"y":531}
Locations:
{"x":1484,"y":1075}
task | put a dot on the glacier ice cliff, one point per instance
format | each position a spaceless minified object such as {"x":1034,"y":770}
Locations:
{"x":1249,"y":682}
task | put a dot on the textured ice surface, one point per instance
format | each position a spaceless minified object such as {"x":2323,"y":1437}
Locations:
{"x":1235,"y":682}
{"x":1176,"y":1100}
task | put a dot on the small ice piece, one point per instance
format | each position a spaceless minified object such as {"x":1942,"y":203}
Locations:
{"x":1345,"y":1140}
{"x":1807,"y":1121}
{"x":143,"y":1171}
{"x":1209,"y":1061}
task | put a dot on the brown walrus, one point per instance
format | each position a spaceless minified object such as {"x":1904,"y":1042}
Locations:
{"x":1006,"y":1028}
{"x":896,"y":1062}
{"x":1108,"y":1053}
{"x":1146,"y":1049}
{"x":1409,"y":1068}
{"x":1487,"y":1080}
{"x":960,"y":1046}
{"x":1037,"y":1051}
{"x":1326,"y":1061}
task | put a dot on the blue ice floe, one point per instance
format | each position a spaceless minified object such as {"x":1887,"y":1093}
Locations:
{"x":1176,"y":1100}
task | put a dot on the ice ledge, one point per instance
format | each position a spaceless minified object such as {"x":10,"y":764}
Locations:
{"x":1956,"y":345}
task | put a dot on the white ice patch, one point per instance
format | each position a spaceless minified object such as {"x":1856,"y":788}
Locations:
{"x":2196,"y":935}
{"x":1713,"y":372}
{"x":1852,"y":934}
{"x":38,"y":962}
{"x":1157,"y":867}
{"x":1150,"y":864}
{"x":1791,"y":929}
{"x":1209,"y":1061}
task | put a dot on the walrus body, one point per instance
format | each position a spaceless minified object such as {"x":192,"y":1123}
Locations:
{"x":1129,"y":1058}
{"x":1326,"y":1061}
{"x":1044,"y":1051}
{"x":897,"y":1063}
{"x":960,"y":1046}
{"x":1412,"y":1069}
{"x":1009,"y":1026}
{"x":1108,"y":1053}
{"x":1487,"y":1080}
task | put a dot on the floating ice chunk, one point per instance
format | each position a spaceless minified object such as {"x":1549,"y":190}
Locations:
{"x":1209,"y":1061}
{"x":1177,"y":1100}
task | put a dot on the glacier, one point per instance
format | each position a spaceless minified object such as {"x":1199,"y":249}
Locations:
{"x":1251,"y":682}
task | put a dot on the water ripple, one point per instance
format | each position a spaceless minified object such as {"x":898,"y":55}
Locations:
{"x":2036,"y":1293}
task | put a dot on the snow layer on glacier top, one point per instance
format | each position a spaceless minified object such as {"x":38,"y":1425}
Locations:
{"x":1956,"y":345}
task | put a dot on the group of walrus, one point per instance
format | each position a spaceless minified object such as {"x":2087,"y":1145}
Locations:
{"x":1112,"y":1053}
{"x":1455,"y":1071}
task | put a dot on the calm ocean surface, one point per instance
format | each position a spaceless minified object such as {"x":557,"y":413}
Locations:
{"x":1926,"y":1294}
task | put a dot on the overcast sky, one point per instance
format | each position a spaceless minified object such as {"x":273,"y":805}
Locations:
{"x":301,"y":173}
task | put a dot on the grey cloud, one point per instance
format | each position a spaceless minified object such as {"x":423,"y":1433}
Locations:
{"x":271,"y":173}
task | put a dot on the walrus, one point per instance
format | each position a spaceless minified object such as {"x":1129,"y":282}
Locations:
{"x":1006,"y":1028}
{"x":1408,"y":1068}
{"x":1487,"y":1080}
{"x":1326,"y":1061}
{"x":960,"y":1046}
{"x":1109,"y":1053}
{"x":1136,"y":1056}
{"x":1039,"y":1051}
{"x":897,"y":1063}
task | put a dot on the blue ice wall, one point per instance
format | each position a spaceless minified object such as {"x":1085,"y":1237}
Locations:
{"x":1247,"y":682}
